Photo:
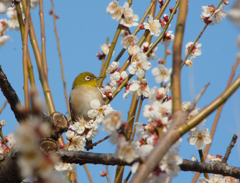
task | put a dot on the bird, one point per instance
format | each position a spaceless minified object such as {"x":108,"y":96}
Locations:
{"x":84,"y":90}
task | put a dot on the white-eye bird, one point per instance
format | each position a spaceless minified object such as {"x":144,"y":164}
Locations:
{"x":84,"y":90}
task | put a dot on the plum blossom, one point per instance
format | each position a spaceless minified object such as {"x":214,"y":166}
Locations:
{"x":107,"y":91}
{"x":77,"y":143}
{"x":188,"y":63}
{"x":139,"y":65}
{"x":34,"y":3}
{"x":132,"y":50}
{"x":98,"y":111}
{"x":199,"y":138}
{"x":65,"y":168}
{"x":112,"y":121}
{"x":126,"y":151}
{"x":112,"y":68}
{"x":170,"y":163}
{"x":158,"y":94}
{"x":212,"y":179}
{"x":209,"y":14}
{"x":4,"y":5}
{"x":4,"y":39}
{"x":212,"y":158}
{"x":162,"y":74}
{"x":196,"y":51}
{"x":112,"y":7}
{"x":117,"y":78}
{"x":129,"y":21}
{"x":69,"y":135}
{"x":3,"y":26}
{"x":128,"y":41}
{"x":186,"y":105}
{"x":117,"y":14}
{"x":105,"y":48}
{"x":13,"y":22}
{"x":153,"y":26}
{"x":218,"y":15}
{"x":152,"y":55}
{"x":168,"y":37}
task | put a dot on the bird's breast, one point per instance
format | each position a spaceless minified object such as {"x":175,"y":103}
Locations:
{"x":80,"y":99}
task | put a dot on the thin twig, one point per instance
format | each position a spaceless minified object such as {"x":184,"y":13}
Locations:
{"x":107,"y":174}
{"x":198,"y":97}
{"x":4,"y":105}
{"x":25,"y":56}
{"x":88,"y":173}
{"x":231,"y":145}
{"x":60,"y":58}
{"x":43,"y":39}
{"x":203,"y":161}
{"x":96,"y":143}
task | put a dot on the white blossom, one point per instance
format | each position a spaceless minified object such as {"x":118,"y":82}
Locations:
{"x":152,"y":55}
{"x":112,"y":121}
{"x":13,"y":22}
{"x":199,"y":138}
{"x":132,"y":50}
{"x":162,"y":74}
{"x":112,"y":67}
{"x":105,"y":48}
{"x":98,"y":111}
{"x":153,"y":26}
{"x":112,"y":7}
{"x":196,"y":51}
{"x":170,"y":163}
{"x":168,"y":37}
{"x":128,"y":41}
{"x":129,"y":21}
{"x":77,"y":143}
{"x":4,"y":4}
{"x":34,"y":3}
{"x":126,"y":150}
{"x":65,"y":168}
{"x":117,"y":78}
{"x":3,"y":40}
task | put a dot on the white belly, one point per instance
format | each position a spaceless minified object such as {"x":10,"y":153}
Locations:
{"x":80,"y":99}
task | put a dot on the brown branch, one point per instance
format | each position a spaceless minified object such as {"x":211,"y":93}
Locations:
{"x":11,"y":96}
{"x":60,"y":58}
{"x":231,"y":145}
{"x":177,"y":54}
{"x":198,"y":97}
{"x":4,"y":105}
{"x":43,"y":39}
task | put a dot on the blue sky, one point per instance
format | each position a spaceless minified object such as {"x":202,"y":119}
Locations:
{"x":84,"y":25}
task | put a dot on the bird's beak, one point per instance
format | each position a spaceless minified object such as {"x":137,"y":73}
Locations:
{"x":97,"y":78}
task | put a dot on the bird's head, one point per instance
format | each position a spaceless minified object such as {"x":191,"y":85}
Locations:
{"x":87,"y":79}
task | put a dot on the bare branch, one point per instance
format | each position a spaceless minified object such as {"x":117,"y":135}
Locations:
{"x":231,"y":145}
{"x":11,"y":96}
{"x":198,"y":97}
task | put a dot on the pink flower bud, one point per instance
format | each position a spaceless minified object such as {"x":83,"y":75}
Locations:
{"x":169,"y":52}
{"x":159,"y":96}
{"x":169,"y":98}
{"x":103,"y":174}
{"x":141,"y":26}
{"x":160,"y":61}
{"x":61,"y":146}
{"x":102,"y":85}
{"x":226,"y":2}
{"x":161,"y":2}
{"x":57,"y":16}
{"x":165,"y":17}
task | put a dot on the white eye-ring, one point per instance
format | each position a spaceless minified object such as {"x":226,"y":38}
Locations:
{"x":87,"y":78}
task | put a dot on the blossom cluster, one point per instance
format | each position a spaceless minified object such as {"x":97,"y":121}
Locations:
{"x":124,"y":15}
{"x":6,"y":5}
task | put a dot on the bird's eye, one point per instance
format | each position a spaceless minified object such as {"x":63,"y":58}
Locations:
{"x":87,"y":78}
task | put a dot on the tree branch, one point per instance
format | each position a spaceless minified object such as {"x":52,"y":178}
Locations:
{"x":11,"y":96}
